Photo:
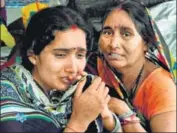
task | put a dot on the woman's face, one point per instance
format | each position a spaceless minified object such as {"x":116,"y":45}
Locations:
{"x":60,"y":62}
{"x":120,"y":42}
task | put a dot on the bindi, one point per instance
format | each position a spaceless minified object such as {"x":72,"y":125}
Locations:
{"x":118,"y":9}
{"x":117,"y":26}
{"x":74,"y":27}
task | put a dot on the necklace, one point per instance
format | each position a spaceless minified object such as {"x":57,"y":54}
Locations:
{"x":133,"y":90}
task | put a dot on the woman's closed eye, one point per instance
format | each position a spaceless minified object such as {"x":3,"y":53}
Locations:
{"x":81,"y":55}
{"x":60,"y":55}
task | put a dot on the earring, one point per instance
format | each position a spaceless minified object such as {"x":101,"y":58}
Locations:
{"x":32,"y":59}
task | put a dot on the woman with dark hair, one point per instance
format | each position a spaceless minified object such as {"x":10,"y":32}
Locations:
{"x":45,"y":93}
{"x":133,"y":61}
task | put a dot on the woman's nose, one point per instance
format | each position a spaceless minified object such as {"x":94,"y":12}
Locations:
{"x":115,"y":41}
{"x":72,"y":66}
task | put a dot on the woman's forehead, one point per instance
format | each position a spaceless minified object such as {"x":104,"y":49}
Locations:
{"x":118,"y":18}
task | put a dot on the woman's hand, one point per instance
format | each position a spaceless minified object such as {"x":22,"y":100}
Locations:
{"x":88,"y":105}
{"x":118,"y":106}
{"x":107,"y":116}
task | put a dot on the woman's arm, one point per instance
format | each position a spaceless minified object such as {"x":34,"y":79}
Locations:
{"x":164,"y":122}
{"x":120,"y":108}
{"x":110,"y":120}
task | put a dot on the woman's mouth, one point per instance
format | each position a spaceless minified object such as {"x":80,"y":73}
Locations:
{"x":113,"y":56}
{"x":68,"y":81}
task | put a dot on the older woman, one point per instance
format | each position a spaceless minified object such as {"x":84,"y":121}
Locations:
{"x":38,"y":95}
{"x":131,"y":62}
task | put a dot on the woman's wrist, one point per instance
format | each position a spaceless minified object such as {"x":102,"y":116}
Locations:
{"x":109,"y":122}
{"x":126,"y":114}
{"x":117,"y":127}
{"x":129,"y":118}
{"x":77,"y":125}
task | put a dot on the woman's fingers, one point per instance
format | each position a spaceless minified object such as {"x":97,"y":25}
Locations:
{"x":79,"y":88}
{"x":81,"y":75}
{"x":95,"y":84}
{"x":107,"y":99}
{"x":93,"y":87}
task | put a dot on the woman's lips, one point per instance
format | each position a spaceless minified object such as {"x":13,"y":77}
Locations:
{"x":113,"y":56}
{"x":68,"y":81}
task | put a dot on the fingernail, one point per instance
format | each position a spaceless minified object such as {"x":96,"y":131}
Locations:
{"x":83,"y":78}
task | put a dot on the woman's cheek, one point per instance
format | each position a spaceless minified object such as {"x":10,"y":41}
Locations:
{"x":82,"y":65}
{"x":102,"y":45}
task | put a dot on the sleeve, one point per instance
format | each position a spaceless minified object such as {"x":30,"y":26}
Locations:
{"x":18,"y":116}
{"x":161,"y":96}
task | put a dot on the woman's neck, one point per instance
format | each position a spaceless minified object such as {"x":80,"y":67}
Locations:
{"x":40,"y":85}
{"x":131,"y":73}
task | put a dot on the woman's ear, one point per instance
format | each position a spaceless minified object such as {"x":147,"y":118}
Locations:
{"x":32,"y":59}
{"x":145,"y":47}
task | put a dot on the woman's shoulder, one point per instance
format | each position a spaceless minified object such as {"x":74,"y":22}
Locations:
{"x":160,"y":88}
{"x":11,"y":74}
{"x":157,"y":82}
{"x":11,"y":82}
{"x":160,"y":77}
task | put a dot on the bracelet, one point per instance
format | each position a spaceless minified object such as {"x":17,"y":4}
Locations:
{"x":127,"y":114}
{"x":70,"y":128}
{"x":117,"y":124}
{"x":130,"y":120}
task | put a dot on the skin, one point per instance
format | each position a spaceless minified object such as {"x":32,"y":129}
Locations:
{"x":60,"y":64}
{"x":118,"y":42}
{"x":124,"y":49}
{"x":122,"y":39}
{"x":2,"y":3}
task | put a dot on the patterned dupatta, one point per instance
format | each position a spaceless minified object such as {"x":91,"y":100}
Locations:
{"x":55,"y":103}
{"x":162,"y":54}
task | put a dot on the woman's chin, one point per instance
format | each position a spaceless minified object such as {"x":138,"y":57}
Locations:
{"x":116,"y":64}
{"x":62,"y":87}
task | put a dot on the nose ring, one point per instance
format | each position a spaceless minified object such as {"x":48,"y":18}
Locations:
{"x":117,"y":45}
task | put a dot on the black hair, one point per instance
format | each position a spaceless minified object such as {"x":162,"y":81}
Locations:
{"x":95,"y":9}
{"x":139,"y":15}
{"x":41,"y":27}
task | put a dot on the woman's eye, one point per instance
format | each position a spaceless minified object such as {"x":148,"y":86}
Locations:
{"x":126,"y":34}
{"x":60,"y":55}
{"x":107,"y":32}
{"x":81,"y":55}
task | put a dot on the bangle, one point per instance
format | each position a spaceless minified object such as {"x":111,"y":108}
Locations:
{"x":127,"y":114}
{"x":117,"y":127}
{"x":130,"y":120}
{"x":70,"y":128}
